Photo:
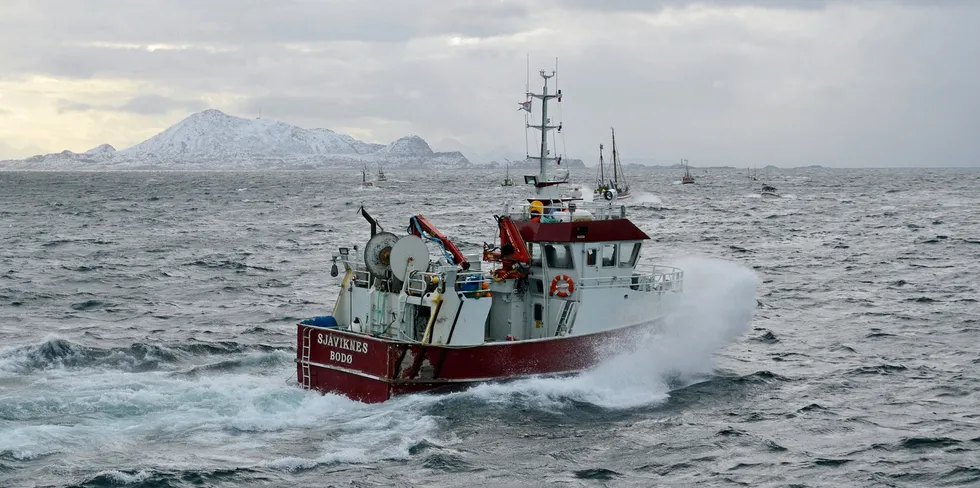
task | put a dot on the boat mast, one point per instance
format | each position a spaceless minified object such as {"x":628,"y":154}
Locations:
{"x":543,"y":157}
{"x":602,"y":174}
{"x":615,"y":160}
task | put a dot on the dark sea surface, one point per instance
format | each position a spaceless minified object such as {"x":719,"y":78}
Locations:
{"x":147,"y":331}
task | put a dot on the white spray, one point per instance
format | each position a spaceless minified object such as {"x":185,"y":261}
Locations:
{"x":718,"y":307}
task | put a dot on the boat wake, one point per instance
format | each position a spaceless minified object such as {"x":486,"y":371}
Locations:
{"x":718,"y":308}
{"x":182,"y":406}
{"x":119,"y":414}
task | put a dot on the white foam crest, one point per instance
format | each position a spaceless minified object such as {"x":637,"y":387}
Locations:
{"x":647,"y":198}
{"x":123,"y":412}
{"x":15,"y":360}
{"x":718,"y":307}
{"x":388,"y":431}
{"x":125,"y":478}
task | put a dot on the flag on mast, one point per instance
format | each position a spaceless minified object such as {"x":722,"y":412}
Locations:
{"x":525,"y":106}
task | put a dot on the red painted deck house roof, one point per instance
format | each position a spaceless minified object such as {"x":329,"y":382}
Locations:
{"x":589,"y":231}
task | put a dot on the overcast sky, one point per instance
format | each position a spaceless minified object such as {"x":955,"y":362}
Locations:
{"x":723,"y":82}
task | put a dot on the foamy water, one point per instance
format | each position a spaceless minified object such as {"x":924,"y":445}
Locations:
{"x":149,"y":335}
{"x":221,"y":413}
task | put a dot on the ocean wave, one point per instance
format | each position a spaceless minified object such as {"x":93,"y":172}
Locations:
{"x":58,"y":353}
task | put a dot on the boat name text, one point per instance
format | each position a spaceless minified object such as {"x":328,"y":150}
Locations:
{"x":342,"y":343}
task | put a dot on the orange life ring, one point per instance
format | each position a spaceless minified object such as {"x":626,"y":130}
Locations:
{"x":569,"y":285}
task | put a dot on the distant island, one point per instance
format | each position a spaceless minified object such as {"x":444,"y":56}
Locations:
{"x":214,"y":140}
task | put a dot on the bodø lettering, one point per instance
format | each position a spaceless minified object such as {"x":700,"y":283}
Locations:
{"x":341,"y":357}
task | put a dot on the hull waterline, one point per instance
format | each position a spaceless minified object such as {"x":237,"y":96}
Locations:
{"x":373,"y":369}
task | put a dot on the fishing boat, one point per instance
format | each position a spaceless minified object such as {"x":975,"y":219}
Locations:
{"x":555,"y":292}
{"x":769,"y":191}
{"x":381,"y":174}
{"x":507,"y":181}
{"x":364,"y":181}
{"x":618,"y":181}
{"x":687,"y":179}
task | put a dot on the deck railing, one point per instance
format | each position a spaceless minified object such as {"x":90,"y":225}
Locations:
{"x":599,"y":211}
{"x":476,"y":284}
{"x":361,"y":276}
{"x":662,"y":279}
{"x":470,"y":284}
{"x":419,"y":282}
{"x":473,"y":284}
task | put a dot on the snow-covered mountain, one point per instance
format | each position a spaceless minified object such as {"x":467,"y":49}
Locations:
{"x":214,"y":140}
{"x":412,"y":146}
{"x":65,"y":160}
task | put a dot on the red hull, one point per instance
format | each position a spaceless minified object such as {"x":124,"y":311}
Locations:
{"x":372,"y":369}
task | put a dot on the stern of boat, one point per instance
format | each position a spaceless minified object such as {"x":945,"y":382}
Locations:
{"x":334,"y":361}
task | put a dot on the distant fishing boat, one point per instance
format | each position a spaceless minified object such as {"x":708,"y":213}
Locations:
{"x":618,"y":187}
{"x":381,"y":174}
{"x":687,"y":179}
{"x":507,"y":180}
{"x":769,"y":191}
{"x":364,"y":181}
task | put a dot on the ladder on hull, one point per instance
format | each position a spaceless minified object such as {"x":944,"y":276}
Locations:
{"x":304,"y":359}
{"x":566,"y":318}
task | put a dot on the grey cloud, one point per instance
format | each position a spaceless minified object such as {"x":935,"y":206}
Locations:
{"x":148,"y":104}
{"x":251,"y":21}
{"x":656,"y":5}
{"x":896,"y":94}
{"x":70,"y":106}
{"x":286,"y":107}
{"x":9,"y":152}
{"x":156,"y":105}
{"x":653,"y":5}
{"x":32,"y":40}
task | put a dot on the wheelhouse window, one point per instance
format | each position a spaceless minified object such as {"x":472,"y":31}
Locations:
{"x":629,"y":252}
{"x":609,"y":255}
{"x":591,"y":257}
{"x":559,"y":256}
{"x":535,"y":251}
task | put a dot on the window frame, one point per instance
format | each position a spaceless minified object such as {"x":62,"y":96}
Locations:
{"x":594,"y":261}
{"x":556,"y":262}
{"x":614,"y":261}
{"x":634,"y":254}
